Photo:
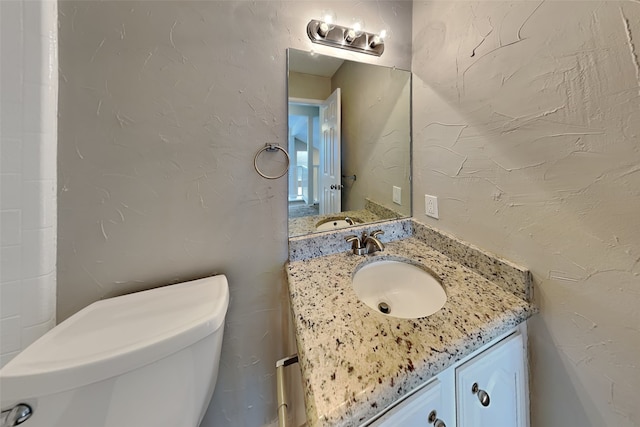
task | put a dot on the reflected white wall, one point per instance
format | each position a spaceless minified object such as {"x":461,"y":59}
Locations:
{"x":28,"y":105}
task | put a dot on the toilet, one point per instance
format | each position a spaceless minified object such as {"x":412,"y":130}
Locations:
{"x":148,"y":359}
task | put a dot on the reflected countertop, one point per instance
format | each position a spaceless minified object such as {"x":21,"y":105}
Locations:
{"x":307,"y":224}
{"x":372,"y":212}
{"x":356,"y":361}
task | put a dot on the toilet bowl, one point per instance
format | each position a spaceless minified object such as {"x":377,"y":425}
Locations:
{"x":148,"y":359}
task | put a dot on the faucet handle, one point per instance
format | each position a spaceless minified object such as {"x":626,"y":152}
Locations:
{"x":355,"y":241}
{"x":376,"y":233}
{"x":356,"y":244}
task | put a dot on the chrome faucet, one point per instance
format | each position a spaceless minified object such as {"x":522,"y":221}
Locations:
{"x":371,"y":242}
{"x":366,"y":244}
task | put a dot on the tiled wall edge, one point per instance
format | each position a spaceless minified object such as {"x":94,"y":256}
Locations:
{"x":30,"y":290}
{"x":502,"y":272}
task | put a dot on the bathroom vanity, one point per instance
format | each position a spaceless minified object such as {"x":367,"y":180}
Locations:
{"x":362,"y":367}
{"x":456,"y":394}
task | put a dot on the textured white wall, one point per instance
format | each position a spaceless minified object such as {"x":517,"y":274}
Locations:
{"x":163,"y":105}
{"x":28,"y":103}
{"x":527,"y":127}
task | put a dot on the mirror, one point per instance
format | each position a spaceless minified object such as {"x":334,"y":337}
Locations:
{"x":349,"y":141}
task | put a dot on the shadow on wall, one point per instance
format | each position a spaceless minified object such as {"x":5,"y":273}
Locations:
{"x":558,"y":385}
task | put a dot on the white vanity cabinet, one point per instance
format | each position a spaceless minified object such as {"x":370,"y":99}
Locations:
{"x":491,"y":388}
{"x":428,"y":406}
{"x":487,"y":389}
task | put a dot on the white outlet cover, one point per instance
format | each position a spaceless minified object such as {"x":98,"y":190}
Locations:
{"x":431,"y":206}
{"x":397,"y":195}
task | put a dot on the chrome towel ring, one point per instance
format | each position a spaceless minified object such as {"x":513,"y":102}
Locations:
{"x":271,"y":147}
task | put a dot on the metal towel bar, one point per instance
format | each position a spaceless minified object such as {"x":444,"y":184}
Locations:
{"x":283,"y":400}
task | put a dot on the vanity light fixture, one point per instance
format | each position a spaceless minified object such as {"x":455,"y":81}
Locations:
{"x":354,"y":31}
{"x":352,"y":38}
{"x":328,"y":22}
{"x":380,"y":38}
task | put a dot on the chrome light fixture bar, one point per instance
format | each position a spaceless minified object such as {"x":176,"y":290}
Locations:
{"x":345,"y":38}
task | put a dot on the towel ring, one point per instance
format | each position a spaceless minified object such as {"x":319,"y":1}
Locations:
{"x":271,"y":147}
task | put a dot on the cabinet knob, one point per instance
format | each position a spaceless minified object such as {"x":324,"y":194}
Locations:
{"x":483,"y":396}
{"x":433,"y":419}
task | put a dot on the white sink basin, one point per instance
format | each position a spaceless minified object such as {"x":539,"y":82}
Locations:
{"x":334,"y":224}
{"x":399,"y":289}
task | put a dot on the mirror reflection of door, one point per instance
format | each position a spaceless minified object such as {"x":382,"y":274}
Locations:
{"x":330,"y":180}
{"x":314,"y":142}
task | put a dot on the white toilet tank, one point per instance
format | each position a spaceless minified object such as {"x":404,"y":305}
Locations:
{"x":148,"y":359}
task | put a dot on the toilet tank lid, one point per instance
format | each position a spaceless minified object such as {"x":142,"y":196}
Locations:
{"x":116,"y":335}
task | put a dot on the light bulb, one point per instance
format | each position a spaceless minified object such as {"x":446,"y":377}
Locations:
{"x":323,"y":29}
{"x":380,"y":38}
{"x":329,"y":17}
{"x":354,"y":31}
{"x":357,"y":25}
{"x":327,"y":23}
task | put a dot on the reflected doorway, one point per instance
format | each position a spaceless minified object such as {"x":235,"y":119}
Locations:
{"x":315,"y":149}
{"x":304,"y":150}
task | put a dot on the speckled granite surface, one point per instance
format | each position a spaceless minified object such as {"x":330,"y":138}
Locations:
{"x":502,"y":272}
{"x":356,"y":361}
{"x":373,"y":212}
{"x":307,"y":224}
{"x":331,"y":242}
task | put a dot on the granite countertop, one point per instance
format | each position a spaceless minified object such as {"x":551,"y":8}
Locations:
{"x":356,"y":361}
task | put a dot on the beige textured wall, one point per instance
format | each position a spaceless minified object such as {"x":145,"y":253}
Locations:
{"x":376,"y":134}
{"x":309,"y":87}
{"x":163,"y":105}
{"x":527,"y":127}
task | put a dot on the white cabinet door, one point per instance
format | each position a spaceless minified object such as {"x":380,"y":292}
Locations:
{"x":415,"y":410}
{"x":491,"y":387}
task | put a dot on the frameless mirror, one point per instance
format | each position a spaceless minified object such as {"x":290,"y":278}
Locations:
{"x":349,"y":141}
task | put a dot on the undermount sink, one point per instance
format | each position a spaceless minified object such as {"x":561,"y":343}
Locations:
{"x":336,"y":223}
{"x":399,"y":289}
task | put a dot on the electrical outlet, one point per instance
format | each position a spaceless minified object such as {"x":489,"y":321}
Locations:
{"x":397,"y":195}
{"x":431,"y":206}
